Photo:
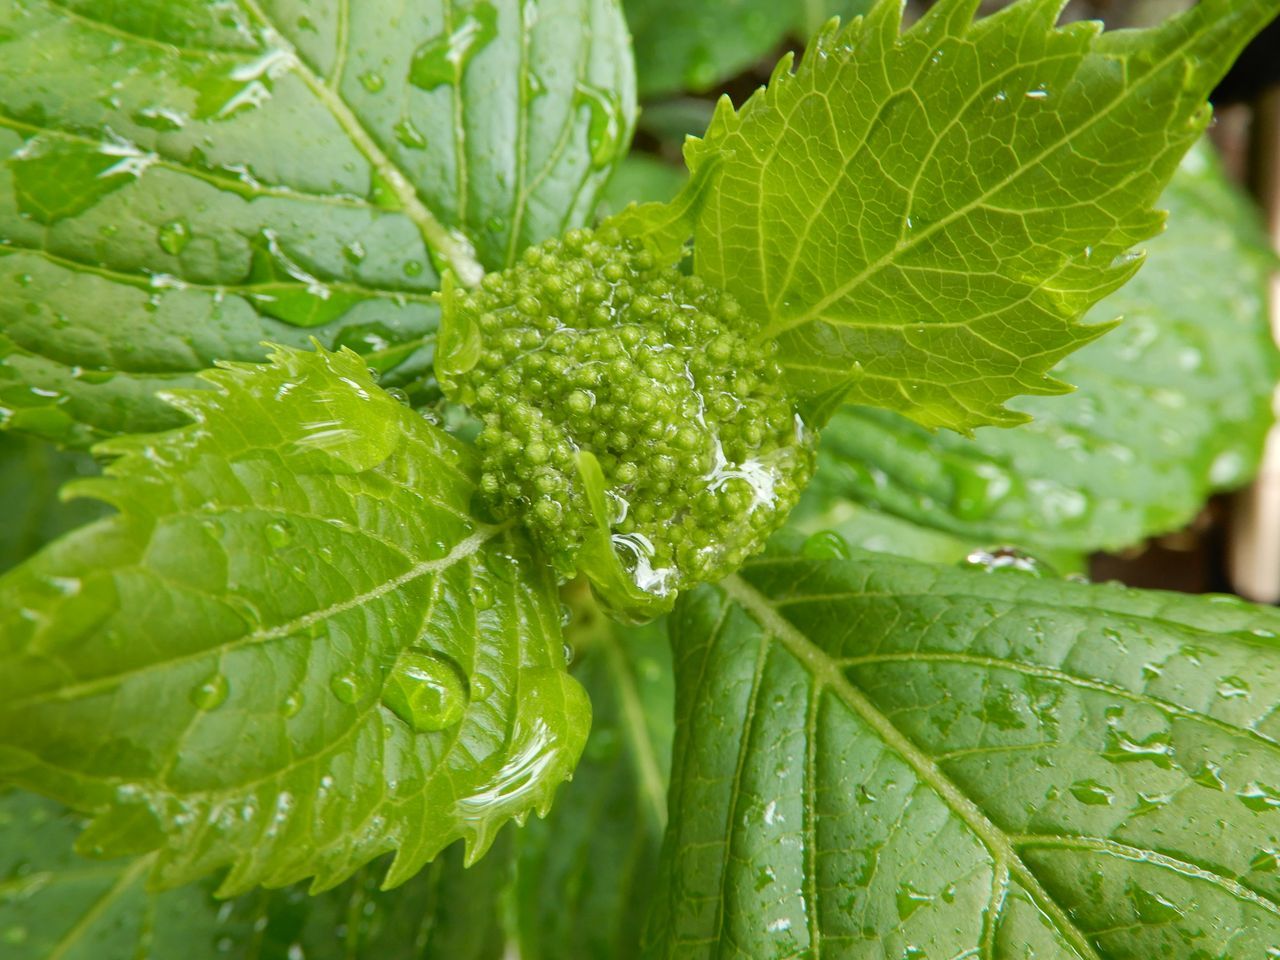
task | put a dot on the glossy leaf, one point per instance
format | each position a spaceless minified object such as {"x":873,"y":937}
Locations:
{"x":31,"y":472}
{"x":586,"y":874}
{"x":877,"y":757}
{"x":186,"y":180}
{"x":293,"y":650}
{"x":1171,"y":407}
{"x":922,"y":218}
{"x":54,"y":904}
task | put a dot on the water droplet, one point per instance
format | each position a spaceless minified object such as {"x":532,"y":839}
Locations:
{"x":1038,"y":93}
{"x":826,"y":545}
{"x":409,"y":135}
{"x":1008,"y":560}
{"x":910,"y":900}
{"x":348,"y":687}
{"x":444,"y":58}
{"x":1232,"y":688}
{"x":159,"y":118}
{"x":211,"y":694}
{"x":605,"y":124}
{"x":292,"y":704}
{"x":222,"y":94}
{"x":372,"y":81}
{"x":1092,"y":793}
{"x":976,"y":488}
{"x":354,"y":252}
{"x":428,"y":691}
{"x":1209,"y":775}
{"x":482,"y":596}
{"x":413,"y":268}
{"x":1259,"y":797}
{"x":55,"y":178}
{"x":289,"y":290}
{"x":1156,"y":748}
{"x":174,"y":236}
{"x":1266,"y":861}
{"x":1153,"y":908}
{"x":481,"y":686}
{"x":278,"y":534}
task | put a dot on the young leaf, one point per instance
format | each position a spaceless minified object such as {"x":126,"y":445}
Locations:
{"x":293,"y":650}
{"x":585,"y":875}
{"x":1171,"y":407}
{"x":187,"y":180}
{"x":922,"y":218}
{"x":896,"y":759}
{"x":54,"y":904}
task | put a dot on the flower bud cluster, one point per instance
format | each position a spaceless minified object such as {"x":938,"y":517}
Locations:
{"x":588,"y":346}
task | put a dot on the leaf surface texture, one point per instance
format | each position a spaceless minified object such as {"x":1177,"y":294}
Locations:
{"x":293,"y":649}
{"x":878,"y":757}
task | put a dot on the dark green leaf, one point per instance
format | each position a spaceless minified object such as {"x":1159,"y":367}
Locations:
{"x":293,"y":650}
{"x":641,"y":178}
{"x":55,"y":905}
{"x":921,"y":219}
{"x":31,"y":472}
{"x":586,"y":874}
{"x":692,"y":44}
{"x":1171,"y":407}
{"x":877,"y":757}
{"x":186,"y":180}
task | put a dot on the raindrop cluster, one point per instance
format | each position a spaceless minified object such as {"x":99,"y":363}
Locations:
{"x":588,"y":345}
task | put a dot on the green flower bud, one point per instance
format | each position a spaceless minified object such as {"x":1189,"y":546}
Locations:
{"x":589,"y":349}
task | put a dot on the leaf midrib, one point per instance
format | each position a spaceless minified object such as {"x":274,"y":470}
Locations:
{"x":461,"y":551}
{"x":439,"y":238}
{"x":815,"y":312}
{"x":826,"y":673}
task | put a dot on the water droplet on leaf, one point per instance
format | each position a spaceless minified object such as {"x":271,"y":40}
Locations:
{"x":444,"y":58}
{"x":348,"y":687}
{"x":428,"y":691}
{"x":826,"y":545}
{"x":174,"y":236}
{"x":212,"y":693}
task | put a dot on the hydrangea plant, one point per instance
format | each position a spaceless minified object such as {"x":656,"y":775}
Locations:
{"x":410,"y":486}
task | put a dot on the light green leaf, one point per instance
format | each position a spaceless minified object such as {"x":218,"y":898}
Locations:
{"x":1171,"y":407}
{"x":293,"y":650}
{"x":922,"y":218}
{"x":31,"y":472}
{"x":55,"y":905}
{"x":186,"y":180}
{"x":878,"y":757}
{"x":586,"y":874}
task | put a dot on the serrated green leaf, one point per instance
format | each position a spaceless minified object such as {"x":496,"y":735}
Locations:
{"x":186,"y":180}
{"x":293,"y":650}
{"x":921,"y":218}
{"x":586,"y":874}
{"x":31,"y":472}
{"x":1171,"y":407}
{"x":877,"y":757}
{"x":55,"y":905}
